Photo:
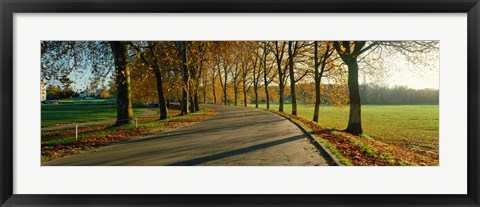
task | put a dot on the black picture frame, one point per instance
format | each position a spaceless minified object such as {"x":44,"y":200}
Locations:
{"x":9,"y":7}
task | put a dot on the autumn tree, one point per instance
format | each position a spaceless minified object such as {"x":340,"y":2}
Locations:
{"x":151,"y":60}
{"x":256,"y":71}
{"x":320,"y":66}
{"x":417,"y":52}
{"x":236,"y":74}
{"x":278,"y":49}
{"x":181,"y":47}
{"x":63,"y":59}
{"x":122,"y":80}
{"x":294,"y":48}
{"x":267,"y":78}
{"x":223,"y":59}
{"x":53,"y":92}
{"x":349,"y":52}
{"x":245,"y":63}
{"x":198,"y":58}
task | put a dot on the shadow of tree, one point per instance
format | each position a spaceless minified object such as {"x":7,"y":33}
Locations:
{"x":218,"y":156}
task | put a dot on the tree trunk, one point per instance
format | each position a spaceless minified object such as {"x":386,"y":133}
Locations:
{"x":183,"y":54}
{"x":191,"y":106}
{"x":195,"y":100}
{"x":281,"y":84}
{"x":225,"y":95}
{"x":317,"y":100}
{"x":256,"y":96}
{"x":265,"y":80}
{"x":317,"y":84}
{"x":213,"y":90}
{"x":225,"y":88}
{"x":204,"y":89}
{"x":354,"y":120}
{"x":245,"y":98}
{"x":267,"y":95}
{"x":161,"y":97}
{"x":235,"y":94}
{"x":280,"y":98}
{"x":122,"y":80}
{"x":244,"y":90}
{"x":292,"y":79}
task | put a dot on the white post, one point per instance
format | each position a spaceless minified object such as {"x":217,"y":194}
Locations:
{"x":76,"y":131}
{"x":136,"y":122}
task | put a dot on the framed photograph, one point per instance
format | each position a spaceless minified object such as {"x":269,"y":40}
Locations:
{"x":238,"y":103}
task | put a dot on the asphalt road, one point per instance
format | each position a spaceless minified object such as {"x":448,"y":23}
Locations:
{"x":234,"y":136}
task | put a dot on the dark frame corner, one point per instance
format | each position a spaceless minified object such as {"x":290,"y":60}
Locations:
{"x":9,"y":7}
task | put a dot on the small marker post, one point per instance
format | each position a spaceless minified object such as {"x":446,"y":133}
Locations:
{"x":76,"y":131}
{"x":136,"y":122}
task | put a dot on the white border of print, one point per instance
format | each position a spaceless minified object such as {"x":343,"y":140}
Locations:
{"x":448,"y":178}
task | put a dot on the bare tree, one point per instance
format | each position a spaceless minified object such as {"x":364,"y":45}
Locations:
{"x":320,"y":63}
{"x":279,"y":51}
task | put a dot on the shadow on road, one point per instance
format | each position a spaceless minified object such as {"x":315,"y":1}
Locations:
{"x":205,"y":159}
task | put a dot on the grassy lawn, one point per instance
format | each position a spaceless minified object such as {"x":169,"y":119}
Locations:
{"x":82,"y":100}
{"x":413,"y":127}
{"x":54,"y":114}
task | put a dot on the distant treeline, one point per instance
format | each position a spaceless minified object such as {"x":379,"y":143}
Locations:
{"x":372,"y":94}
{"x":55,"y":92}
{"x":334,"y":94}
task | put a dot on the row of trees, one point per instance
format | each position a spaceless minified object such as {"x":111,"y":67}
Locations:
{"x":334,"y":94}
{"x":382,"y":95}
{"x":55,"y":92}
{"x":193,"y":70}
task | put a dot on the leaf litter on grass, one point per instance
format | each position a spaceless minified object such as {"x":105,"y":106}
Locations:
{"x":50,"y":150}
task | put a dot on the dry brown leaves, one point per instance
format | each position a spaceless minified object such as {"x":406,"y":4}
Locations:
{"x":55,"y":134}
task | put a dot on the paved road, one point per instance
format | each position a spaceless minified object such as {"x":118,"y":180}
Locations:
{"x":235,"y":136}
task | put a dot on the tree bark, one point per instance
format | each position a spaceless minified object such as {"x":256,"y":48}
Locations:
{"x":281,"y":92}
{"x":235,"y":94}
{"x":183,"y":56}
{"x":204,"y":88}
{"x":255,"y":89}
{"x":225,"y":88}
{"x":354,"y":120}
{"x":349,"y":57}
{"x":122,"y":80}
{"x":245,"y":98}
{"x":317,"y":84}
{"x":265,"y":78}
{"x":225,"y":95}
{"x":213,"y":90}
{"x":281,"y":84}
{"x":292,"y":79}
{"x":244,"y":89}
{"x":195,"y":100}
{"x":161,"y":97}
{"x":191,"y":106}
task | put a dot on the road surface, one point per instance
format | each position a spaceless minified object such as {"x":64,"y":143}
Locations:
{"x":234,"y":136}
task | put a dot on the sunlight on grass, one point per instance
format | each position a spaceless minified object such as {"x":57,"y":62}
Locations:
{"x":53,"y":114}
{"x":410,"y":126}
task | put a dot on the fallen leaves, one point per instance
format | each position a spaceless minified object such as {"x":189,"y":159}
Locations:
{"x":365,"y":151}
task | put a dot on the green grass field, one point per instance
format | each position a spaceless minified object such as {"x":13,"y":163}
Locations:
{"x":54,"y":114}
{"x":409,"y":126}
{"x":81,"y":100}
